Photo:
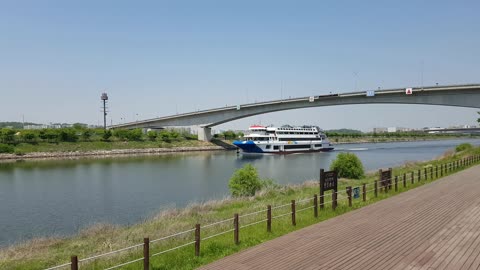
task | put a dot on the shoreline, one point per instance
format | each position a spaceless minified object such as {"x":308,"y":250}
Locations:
{"x":106,"y":153}
{"x":155,"y":151}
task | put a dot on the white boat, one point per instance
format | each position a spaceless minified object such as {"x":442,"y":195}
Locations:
{"x":284,"y":140}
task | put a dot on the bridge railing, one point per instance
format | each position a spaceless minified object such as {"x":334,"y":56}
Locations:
{"x":193,"y":237}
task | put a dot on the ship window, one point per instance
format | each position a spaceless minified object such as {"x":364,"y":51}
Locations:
{"x":318,"y":145}
{"x":294,"y":146}
{"x":268,"y":146}
{"x":275,"y":147}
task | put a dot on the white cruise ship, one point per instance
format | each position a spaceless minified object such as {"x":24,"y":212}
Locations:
{"x":284,"y":140}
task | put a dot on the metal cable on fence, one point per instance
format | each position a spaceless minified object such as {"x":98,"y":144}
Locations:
{"x":306,"y":208}
{"x":280,"y":206}
{"x":123,"y":264}
{"x":305,"y":200}
{"x":170,"y":236}
{"x":109,"y":253}
{"x":253,"y":223}
{"x":172,"y":249}
{"x":218,"y":234}
{"x":59,"y":266}
{"x":282,"y":215}
{"x":250,"y":214}
{"x":216,"y":223}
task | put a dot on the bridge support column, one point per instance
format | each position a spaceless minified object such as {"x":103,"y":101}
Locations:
{"x":204,"y":134}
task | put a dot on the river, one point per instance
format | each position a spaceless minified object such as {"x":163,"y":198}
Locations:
{"x":60,"y":197}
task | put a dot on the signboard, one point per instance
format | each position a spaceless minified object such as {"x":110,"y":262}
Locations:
{"x":356,"y":192}
{"x":385,"y":178}
{"x":311,"y":99}
{"x":408,"y":91}
{"x":370,"y":93}
{"x":328,"y":181}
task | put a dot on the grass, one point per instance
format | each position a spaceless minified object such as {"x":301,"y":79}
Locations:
{"x":101,"y":238}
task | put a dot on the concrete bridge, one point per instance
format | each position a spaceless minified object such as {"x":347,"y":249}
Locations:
{"x":447,"y":95}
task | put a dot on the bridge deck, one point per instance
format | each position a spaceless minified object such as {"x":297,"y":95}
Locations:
{"x":436,"y":226}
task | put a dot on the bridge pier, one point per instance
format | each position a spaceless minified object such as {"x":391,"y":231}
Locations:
{"x":204,"y":134}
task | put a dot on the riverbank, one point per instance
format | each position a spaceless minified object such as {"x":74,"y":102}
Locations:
{"x":42,"y":253}
{"x":116,"y":149}
{"x":202,"y":146}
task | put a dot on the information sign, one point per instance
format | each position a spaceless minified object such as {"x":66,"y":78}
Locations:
{"x":408,"y":91}
{"x":356,"y":192}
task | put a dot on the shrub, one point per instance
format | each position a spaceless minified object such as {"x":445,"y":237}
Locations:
{"x":6,"y":149}
{"x":463,"y":147}
{"x":152,"y":135}
{"x":348,"y":165}
{"x":106,"y":135}
{"x":134,"y":135}
{"x":245,"y":181}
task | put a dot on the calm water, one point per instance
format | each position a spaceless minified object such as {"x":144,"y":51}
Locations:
{"x":42,"y":198}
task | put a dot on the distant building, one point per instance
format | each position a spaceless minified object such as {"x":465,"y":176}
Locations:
{"x":379,"y":130}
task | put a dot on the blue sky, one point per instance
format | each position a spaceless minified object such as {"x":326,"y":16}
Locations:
{"x":156,"y":58}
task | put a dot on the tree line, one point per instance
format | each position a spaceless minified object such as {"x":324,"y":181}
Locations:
{"x":12,"y":136}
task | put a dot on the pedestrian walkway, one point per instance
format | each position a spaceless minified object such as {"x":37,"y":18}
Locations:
{"x":435,"y":226}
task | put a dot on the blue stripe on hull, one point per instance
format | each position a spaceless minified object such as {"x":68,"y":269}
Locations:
{"x":248,"y":146}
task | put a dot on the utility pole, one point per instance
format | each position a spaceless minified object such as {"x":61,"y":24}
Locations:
{"x":104,"y":99}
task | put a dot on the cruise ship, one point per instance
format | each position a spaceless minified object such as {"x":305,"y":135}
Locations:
{"x":284,"y":140}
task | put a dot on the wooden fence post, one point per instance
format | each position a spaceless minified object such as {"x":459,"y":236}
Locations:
{"x":425,"y":174}
{"x":315,"y":205}
{"x":197,"y":240}
{"x":294,"y":222}
{"x":431,"y":173}
{"x":146,"y":253}
{"x":322,"y":197}
{"x":436,"y":171}
{"x":413,"y":177}
{"x":404,"y":180}
{"x":396,"y":183}
{"x":364,"y":191}
{"x":334,"y":199}
{"x":391,"y":175}
{"x":269,"y":218}
{"x":376,"y":188}
{"x":419,"y":175}
{"x":237,"y":229}
{"x":349,"y":194}
{"x":441,"y":170}
{"x":74,"y":263}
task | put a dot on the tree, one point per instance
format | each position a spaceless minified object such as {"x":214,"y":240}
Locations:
{"x":7,"y":135}
{"x":106,"y":135}
{"x":245,"y":181}
{"x":152,"y":135}
{"x":87,"y":134}
{"x":29,"y":136}
{"x":348,"y":165}
{"x":134,"y":135}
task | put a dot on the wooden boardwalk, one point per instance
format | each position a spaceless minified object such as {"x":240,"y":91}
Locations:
{"x":435,"y":226}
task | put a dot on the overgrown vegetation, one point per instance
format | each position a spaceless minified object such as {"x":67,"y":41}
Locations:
{"x":463,"y":147}
{"x":81,"y":138}
{"x":47,"y":252}
{"x":229,"y":135}
{"x":246,"y":182}
{"x":348,"y":165}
